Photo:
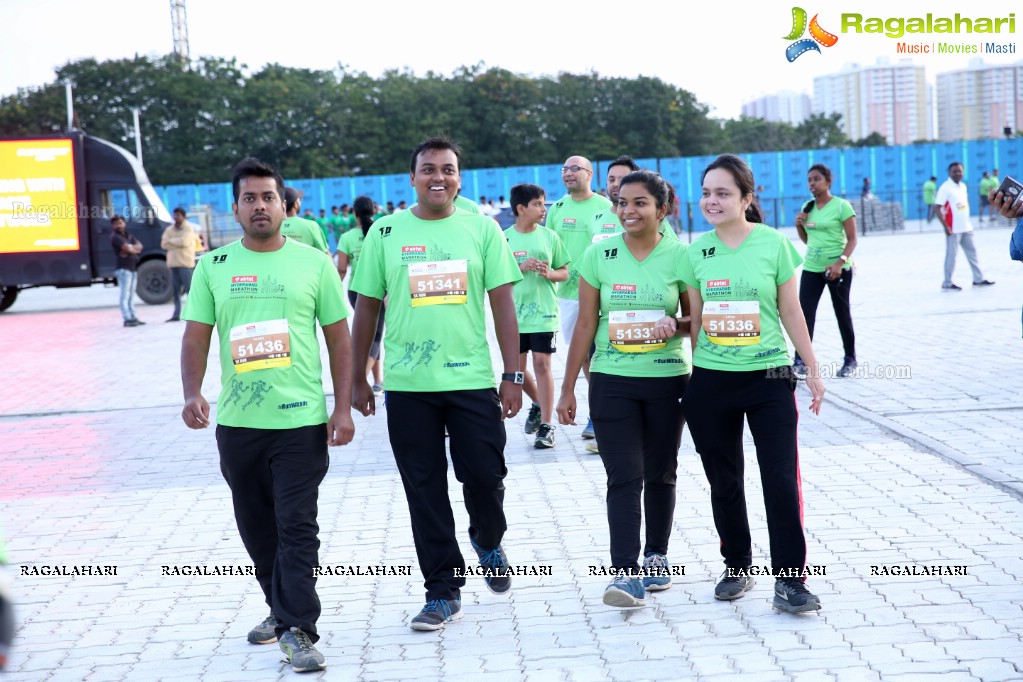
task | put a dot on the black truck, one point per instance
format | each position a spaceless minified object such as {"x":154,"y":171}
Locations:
{"x":57,"y":195}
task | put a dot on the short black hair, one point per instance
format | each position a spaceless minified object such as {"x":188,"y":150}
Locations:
{"x":954,"y":163}
{"x":115,"y":218}
{"x":624,"y":160}
{"x":181,"y":211}
{"x":433,"y":143}
{"x":522,"y":194}
{"x":251,"y":167}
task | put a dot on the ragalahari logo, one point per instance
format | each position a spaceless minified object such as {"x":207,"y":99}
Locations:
{"x":818,"y":35}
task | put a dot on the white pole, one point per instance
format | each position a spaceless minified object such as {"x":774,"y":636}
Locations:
{"x":138,"y":135}
{"x":70,"y":105}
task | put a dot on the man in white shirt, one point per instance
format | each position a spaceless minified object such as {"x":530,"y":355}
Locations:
{"x":953,"y":204}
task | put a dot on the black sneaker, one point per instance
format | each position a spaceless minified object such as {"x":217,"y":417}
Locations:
{"x":791,"y":596}
{"x":437,"y":613}
{"x":495,"y":563}
{"x":533,"y":419}
{"x":131,"y":323}
{"x":544,"y":437}
{"x":849,"y":366}
{"x":299,"y":651}
{"x":264,"y":632}
{"x":983,"y":283}
{"x":951,"y":287}
{"x":731,"y":586}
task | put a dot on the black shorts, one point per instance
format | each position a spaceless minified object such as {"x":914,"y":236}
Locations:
{"x":984,"y":201}
{"x":538,"y":342}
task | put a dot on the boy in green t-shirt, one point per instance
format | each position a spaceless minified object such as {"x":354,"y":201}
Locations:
{"x":436,"y":264}
{"x":542,"y":260}
{"x":265,"y":295}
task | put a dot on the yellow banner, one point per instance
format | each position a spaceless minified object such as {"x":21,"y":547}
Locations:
{"x":38,"y":201}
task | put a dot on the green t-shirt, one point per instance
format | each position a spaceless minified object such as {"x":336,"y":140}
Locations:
{"x":337,"y":223}
{"x":347,"y":222}
{"x":988,"y":185}
{"x":324,"y":224}
{"x":305,"y":231}
{"x":633,"y":296}
{"x":825,"y":235}
{"x":930,"y":189}
{"x":350,"y":244}
{"x":571,"y":221}
{"x":467,"y":205}
{"x":436,"y":340}
{"x":606,"y":224}
{"x":536,"y":298}
{"x":750,"y":274}
{"x":265,"y":307}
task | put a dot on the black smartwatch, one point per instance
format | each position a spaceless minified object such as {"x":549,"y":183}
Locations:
{"x":514,"y":377}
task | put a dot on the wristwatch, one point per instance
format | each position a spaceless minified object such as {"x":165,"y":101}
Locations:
{"x":514,"y":377}
{"x":844,"y":258}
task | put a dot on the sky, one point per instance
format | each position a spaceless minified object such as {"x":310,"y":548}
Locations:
{"x":725,"y":53}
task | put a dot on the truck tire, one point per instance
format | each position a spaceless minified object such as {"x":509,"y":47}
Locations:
{"x":7,"y":297}
{"x":154,"y":282}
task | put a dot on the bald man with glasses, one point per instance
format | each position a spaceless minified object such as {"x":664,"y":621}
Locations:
{"x":570,"y":217}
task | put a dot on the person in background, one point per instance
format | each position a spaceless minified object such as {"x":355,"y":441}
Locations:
{"x":179,"y":241}
{"x":930,"y":188}
{"x":126,"y":250}
{"x":827,"y":225}
{"x":301,"y":230}
{"x":349,"y":249}
{"x":953,"y":204}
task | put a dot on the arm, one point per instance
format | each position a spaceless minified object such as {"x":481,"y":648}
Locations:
{"x":506,"y":325}
{"x":791,"y":315}
{"x":195,"y":348}
{"x":696,"y":314}
{"x":340,"y":427}
{"x":559,"y":275}
{"x":363,"y":328}
{"x":835,"y":269}
{"x":938,"y":201}
{"x":342,"y":264}
{"x":800,"y":219}
{"x":582,"y":337}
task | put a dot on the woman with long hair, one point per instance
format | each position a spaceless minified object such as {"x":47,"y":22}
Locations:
{"x":349,"y":249}
{"x":740,"y":279}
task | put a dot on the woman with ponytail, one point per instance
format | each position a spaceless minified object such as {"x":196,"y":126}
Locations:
{"x":349,"y":249}
{"x":740,"y":278}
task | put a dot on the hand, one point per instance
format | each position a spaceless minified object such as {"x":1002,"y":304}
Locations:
{"x":566,"y":409}
{"x":800,"y":219}
{"x":363,"y":400}
{"x":196,"y":413}
{"x":511,"y":399}
{"x":528,"y":265}
{"x":816,"y":386}
{"x":340,"y":427}
{"x":834,"y":272}
{"x":1004,"y":207}
{"x":665,"y":328}
{"x":542,"y":269}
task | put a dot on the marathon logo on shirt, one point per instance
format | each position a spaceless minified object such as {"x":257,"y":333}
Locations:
{"x":413,"y":254}
{"x":718,"y":286}
{"x":521,"y":255}
{"x":623,"y":292}
{"x":569,"y":224}
{"x":244,"y":284}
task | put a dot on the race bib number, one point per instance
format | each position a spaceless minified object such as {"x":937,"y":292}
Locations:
{"x":732,"y":323}
{"x":261,"y":345}
{"x":631,"y":331}
{"x":438,"y":282}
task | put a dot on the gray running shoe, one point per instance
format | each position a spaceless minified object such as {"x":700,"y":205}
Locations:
{"x":533,"y":419}
{"x":264,"y":632}
{"x":300,"y":653}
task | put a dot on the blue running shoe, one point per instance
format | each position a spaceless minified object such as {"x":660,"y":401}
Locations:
{"x":588,"y":433}
{"x":495,"y":563}
{"x":625,"y":591}
{"x":656,"y":572}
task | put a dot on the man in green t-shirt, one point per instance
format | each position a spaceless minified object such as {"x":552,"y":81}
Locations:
{"x":988,"y":184}
{"x":930,"y":189}
{"x":265,"y":294}
{"x":606,"y":224}
{"x":570,"y":217}
{"x":436,"y":265}
{"x":300,"y":229}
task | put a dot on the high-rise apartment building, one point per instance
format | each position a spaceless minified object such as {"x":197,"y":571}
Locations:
{"x":891,"y":99}
{"x":783,"y":107}
{"x":980,"y":102}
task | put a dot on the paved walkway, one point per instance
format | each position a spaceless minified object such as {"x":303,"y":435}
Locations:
{"x":919,"y":467}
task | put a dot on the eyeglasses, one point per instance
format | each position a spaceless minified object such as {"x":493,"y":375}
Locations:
{"x":574,"y":169}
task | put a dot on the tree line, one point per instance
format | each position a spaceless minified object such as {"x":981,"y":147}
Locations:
{"x":199,"y":120}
